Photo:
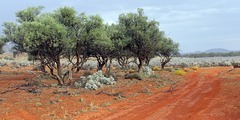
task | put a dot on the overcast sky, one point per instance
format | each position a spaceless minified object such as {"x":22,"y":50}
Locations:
{"x":197,"y":25}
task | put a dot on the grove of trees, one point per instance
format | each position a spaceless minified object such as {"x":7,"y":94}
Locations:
{"x":65,"y":33}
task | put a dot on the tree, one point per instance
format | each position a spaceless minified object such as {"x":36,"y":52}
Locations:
{"x":119,"y":41}
{"x":142,"y":35}
{"x":99,"y":44}
{"x":47,"y":37}
{"x":76,"y":28}
{"x":167,"y":49}
{"x":29,"y":14}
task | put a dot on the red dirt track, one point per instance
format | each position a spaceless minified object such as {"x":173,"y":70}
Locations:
{"x":197,"y":98}
{"x":206,"y":94}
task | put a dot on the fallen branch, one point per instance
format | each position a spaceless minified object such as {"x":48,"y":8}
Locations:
{"x":31,"y":72}
{"x":171,"y":88}
{"x":9,"y":90}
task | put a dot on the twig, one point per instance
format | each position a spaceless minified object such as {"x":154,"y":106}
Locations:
{"x":171,"y":88}
{"x":109,"y":94}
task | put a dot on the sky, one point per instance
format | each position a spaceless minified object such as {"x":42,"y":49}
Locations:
{"x":197,"y":25}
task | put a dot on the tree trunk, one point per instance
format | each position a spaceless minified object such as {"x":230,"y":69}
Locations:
{"x":59,"y":72}
{"x":77,"y":63}
{"x":147,"y":61}
{"x":101,"y":62}
{"x":79,"y":66}
{"x":140,"y":65}
{"x":100,"y":65}
{"x":164,"y":62}
{"x":163,"y":65}
{"x":42,"y":66}
{"x":108,"y":70}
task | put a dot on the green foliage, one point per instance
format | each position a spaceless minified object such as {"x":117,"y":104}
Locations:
{"x":179,"y":72}
{"x":31,"y":57}
{"x":54,"y":85}
{"x":119,"y":52}
{"x":6,"y":58}
{"x":11,"y":58}
{"x":154,"y":76}
{"x":141,"y":35}
{"x":166,"y":50}
{"x":138,"y":76}
{"x":100,"y":45}
{"x":78,"y":85}
{"x":9,"y":31}
{"x":29,"y":14}
{"x":186,"y":69}
{"x":49,"y":37}
{"x":1,"y":46}
{"x":169,"y":69}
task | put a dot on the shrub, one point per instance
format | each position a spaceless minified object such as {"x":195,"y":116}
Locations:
{"x":6,"y":58}
{"x":112,"y":74}
{"x":134,"y":75}
{"x":186,"y":69}
{"x":195,"y":68}
{"x":147,"y":70}
{"x":156,"y":68}
{"x":236,"y":64}
{"x":78,"y":85}
{"x":11,"y":58}
{"x":97,"y":80}
{"x":54,"y":85}
{"x":154,"y":76}
{"x":131,"y":71}
{"x":169,"y":69}
{"x":179,"y":72}
{"x":134,"y":68}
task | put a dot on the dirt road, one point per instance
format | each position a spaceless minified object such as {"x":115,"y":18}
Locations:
{"x":196,"y":98}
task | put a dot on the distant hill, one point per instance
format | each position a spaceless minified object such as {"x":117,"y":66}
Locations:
{"x":217,"y":50}
{"x":214,"y":50}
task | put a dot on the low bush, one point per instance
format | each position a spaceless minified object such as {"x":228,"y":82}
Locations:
{"x":148,"y":71}
{"x":195,"y":68}
{"x":134,"y":68}
{"x":131,"y":71}
{"x":179,"y":72}
{"x":156,"y":68}
{"x":154,"y":76}
{"x":34,"y":82}
{"x":11,"y":58}
{"x":138,"y":76}
{"x":6,"y":58}
{"x":236,"y":64}
{"x":95,"y":81}
{"x":78,"y":85}
{"x":54,"y":85}
{"x":186,"y":69}
{"x":169,"y":69}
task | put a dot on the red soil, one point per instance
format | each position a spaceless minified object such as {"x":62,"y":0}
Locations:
{"x":209,"y":93}
{"x":199,"y":97}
